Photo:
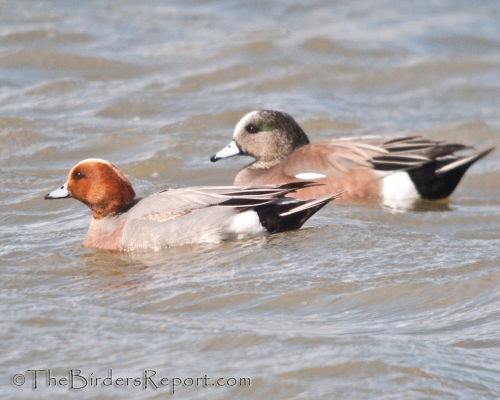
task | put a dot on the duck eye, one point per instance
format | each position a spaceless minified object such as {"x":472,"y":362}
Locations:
{"x":78,"y":175}
{"x":251,"y":128}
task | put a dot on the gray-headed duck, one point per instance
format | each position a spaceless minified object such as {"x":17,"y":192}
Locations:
{"x":381,"y":168}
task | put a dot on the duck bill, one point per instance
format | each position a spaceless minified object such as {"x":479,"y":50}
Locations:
{"x":230,"y":150}
{"x":61,"y":193}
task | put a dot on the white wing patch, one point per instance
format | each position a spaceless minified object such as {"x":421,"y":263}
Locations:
{"x":310,"y":175}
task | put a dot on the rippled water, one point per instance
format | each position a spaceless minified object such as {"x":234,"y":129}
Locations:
{"x":363,"y":302}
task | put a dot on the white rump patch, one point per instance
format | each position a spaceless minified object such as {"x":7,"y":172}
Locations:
{"x":398,"y":190}
{"x":246,"y":224}
{"x":310,"y":175}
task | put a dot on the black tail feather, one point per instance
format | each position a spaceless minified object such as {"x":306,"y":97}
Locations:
{"x":265,"y":190}
{"x":439,"y":178}
{"x":291,"y":214}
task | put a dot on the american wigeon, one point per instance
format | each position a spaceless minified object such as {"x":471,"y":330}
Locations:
{"x":387,"y":169}
{"x":179,"y":216}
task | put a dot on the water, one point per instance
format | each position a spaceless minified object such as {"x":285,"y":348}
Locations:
{"x":363,"y":302}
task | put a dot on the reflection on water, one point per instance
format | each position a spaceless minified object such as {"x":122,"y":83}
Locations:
{"x":421,"y":205}
{"x":364,"y":302}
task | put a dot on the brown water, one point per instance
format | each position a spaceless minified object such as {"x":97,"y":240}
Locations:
{"x":363,"y":302}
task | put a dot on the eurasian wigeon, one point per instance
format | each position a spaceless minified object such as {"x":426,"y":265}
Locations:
{"x":388,"y":169}
{"x":179,"y":216}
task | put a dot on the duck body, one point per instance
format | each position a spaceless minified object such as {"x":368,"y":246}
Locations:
{"x":389,"y":169}
{"x":176,"y":217}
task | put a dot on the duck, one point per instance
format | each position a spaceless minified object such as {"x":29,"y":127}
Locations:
{"x":394,"y":170}
{"x":172,"y":217}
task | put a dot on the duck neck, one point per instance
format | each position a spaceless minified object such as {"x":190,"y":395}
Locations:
{"x":111,"y":208}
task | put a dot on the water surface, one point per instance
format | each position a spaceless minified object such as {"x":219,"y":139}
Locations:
{"x":363,"y":302}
